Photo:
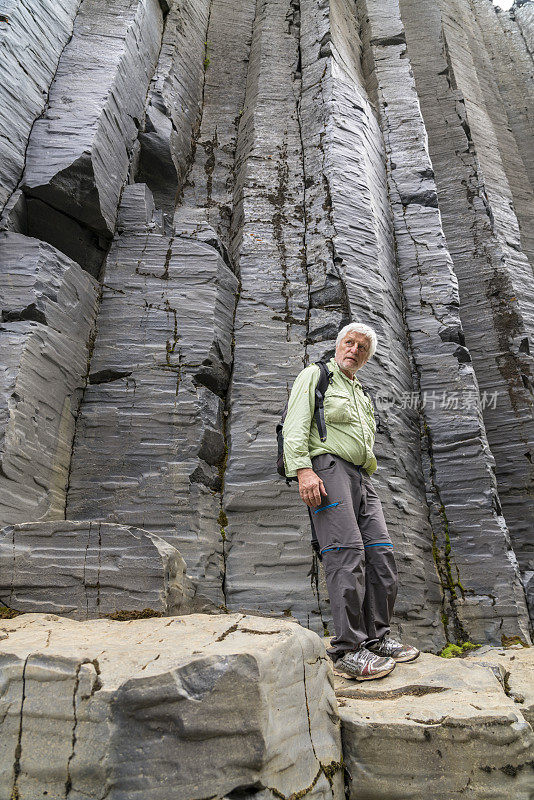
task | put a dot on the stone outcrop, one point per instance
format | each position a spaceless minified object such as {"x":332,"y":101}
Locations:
{"x":96,"y":569}
{"x":181,"y":708}
{"x":233,"y":183}
{"x":437,"y":728}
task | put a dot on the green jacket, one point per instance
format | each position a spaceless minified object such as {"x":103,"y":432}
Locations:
{"x":350,"y":422}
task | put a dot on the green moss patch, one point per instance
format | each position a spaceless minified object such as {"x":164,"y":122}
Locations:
{"x":457,"y":650}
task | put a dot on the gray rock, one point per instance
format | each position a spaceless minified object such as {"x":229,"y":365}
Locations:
{"x":39,"y":283}
{"x":36,"y":424}
{"x":207,"y":193}
{"x":286,"y":147}
{"x":77,"y":157}
{"x":13,"y":217}
{"x":48,"y":308}
{"x":181,"y":708}
{"x":174,"y":103}
{"x":516,"y":669}
{"x":431,"y":297}
{"x":485,"y":214}
{"x":33,"y":34}
{"x":85,"y":570}
{"x":268,"y":532}
{"x":524,"y":16}
{"x":150,"y":437}
{"x":435,"y":728}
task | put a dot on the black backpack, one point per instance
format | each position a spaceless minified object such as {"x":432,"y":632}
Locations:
{"x":325,"y":378}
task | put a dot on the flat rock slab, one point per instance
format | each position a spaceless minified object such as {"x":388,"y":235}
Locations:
{"x":515,"y":667}
{"x":90,"y":569}
{"x":435,"y":728}
{"x":182,"y":708}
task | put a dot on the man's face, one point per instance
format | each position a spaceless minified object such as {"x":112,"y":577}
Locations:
{"x":352,"y":352}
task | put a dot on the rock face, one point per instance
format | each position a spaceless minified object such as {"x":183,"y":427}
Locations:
{"x":475,"y":143}
{"x":91,"y":570}
{"x":232,"y":183}
{"x":150,"y":438}
{"x":440,"y":356}
{"x":186,"y":707}
{"x":78,"y":153}
{"x":48,"y":306}
{"x":33,"y":34}
{"x":436,"y":728}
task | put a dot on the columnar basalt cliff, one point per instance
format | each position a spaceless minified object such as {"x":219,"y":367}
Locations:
{"x":195,"y":196}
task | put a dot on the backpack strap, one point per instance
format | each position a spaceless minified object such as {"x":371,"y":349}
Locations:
{"x":325,"y":378}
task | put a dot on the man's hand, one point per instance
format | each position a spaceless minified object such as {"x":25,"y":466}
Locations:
{"x":311,"y":487}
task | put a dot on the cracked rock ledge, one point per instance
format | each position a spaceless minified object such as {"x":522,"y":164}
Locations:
{"x":238,"y":705}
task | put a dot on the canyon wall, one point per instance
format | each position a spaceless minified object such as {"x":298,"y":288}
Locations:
{"x":196,"y":195}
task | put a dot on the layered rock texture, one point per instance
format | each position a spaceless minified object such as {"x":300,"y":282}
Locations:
{"x":232,"y":706}
{"x":91,"y":570}
{"x":195,"y":197}
{"x":182,"y":708}
{"x":441,"y":728}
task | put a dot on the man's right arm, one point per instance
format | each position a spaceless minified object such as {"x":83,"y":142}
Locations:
{"x":296,"y":433}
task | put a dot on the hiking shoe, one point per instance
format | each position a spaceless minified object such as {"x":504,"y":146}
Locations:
{"x":363,"y":665}
{"x":388,"y":647}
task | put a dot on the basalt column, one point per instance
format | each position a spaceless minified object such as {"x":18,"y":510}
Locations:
{"x":483,"y":594}
{"x":315,"y":248}
{"x":79,"y":149}
{"x":476,"y":161}
{"x":33,"y":34}
{"x":268,"y":561}
{"x":150,"y":445}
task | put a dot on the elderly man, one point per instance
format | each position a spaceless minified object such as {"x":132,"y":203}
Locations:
{"x":345,"y":512}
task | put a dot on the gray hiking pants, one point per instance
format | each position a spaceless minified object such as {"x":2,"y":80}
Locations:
{"x":357,"y":553}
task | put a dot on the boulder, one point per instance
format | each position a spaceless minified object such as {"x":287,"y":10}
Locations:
{"x":91,"y":569}
{"x":435,"y":728}
{"x":181,"y":708}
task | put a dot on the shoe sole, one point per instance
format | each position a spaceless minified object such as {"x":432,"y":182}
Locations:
{"x":341,"y":674}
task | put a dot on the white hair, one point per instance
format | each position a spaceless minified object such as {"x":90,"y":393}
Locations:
{"x":359,"y":327}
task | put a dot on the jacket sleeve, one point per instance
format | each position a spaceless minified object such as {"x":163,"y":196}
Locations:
{"x":296,"y":430}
